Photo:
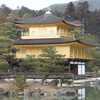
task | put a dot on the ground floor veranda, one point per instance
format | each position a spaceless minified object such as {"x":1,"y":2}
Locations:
{"x":76,"y":68}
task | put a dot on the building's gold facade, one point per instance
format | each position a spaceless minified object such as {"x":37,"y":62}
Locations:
{"x":52,"y":30}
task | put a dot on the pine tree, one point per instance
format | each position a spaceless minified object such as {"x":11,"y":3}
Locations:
{"x":50,"y":61}
{"x":20,"y":82}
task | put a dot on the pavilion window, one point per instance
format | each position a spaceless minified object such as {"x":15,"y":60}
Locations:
{"x":52,"y":32}
{"x":33,"y":33}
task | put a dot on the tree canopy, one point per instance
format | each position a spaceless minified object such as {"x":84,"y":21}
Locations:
{"x":48,"y":62}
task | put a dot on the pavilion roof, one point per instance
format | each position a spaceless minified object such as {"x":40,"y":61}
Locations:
{"x":46,"y":19}
{"x":48,"y":41}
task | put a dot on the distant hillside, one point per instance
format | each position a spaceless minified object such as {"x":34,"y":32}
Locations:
{"x":93,"y":5}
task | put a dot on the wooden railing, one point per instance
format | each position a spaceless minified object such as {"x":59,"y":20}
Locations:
{"x":81,"y":56}
{"x":71,"y":55}
{"x":68,"y":36}
{"x":62,"y":35}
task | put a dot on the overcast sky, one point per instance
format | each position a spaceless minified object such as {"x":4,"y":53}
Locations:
{"x":32,"y":4}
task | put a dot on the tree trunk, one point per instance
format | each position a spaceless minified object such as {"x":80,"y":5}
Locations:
{"x":25,"y":73}
{"x":43,"y":79}
{"x":61,"y":84}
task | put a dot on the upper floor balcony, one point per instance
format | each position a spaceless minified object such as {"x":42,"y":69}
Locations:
{"x":27,"y":35}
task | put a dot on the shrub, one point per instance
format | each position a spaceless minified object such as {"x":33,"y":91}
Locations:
{"x":65,"y":78}
{"x":96,"y":68}
{"x":20,"y":81}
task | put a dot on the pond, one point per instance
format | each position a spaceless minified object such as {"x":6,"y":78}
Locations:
{"x":88,"y":93}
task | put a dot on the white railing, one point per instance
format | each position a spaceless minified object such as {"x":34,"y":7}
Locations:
{"x":62,"y":35}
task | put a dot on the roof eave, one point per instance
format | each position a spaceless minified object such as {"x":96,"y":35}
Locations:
{"x":39,"y":23}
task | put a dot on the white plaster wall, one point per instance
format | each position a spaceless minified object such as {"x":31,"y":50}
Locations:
{"x":81,"y":69}
{"x":43,"y":32}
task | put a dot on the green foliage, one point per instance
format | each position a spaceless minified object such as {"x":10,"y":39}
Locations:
{"x":49,"y":61}
{"x":3,"y":66}
{"x":26,"y":16}
{"x":65,"y":78}
{"x":86,"y":38}
{"x":10,"y":59}
{"x":26,"y":64}
{"x":6,"y":10}
{"x":25,"y":10}
{"x":50,"y":52}
{"x":20,"y":82}
{"x":96,"y":68}
{"x":14,"y":15}
{"x":5,"y":44}
{"x":8,"y":29}
{"x":98,"y":74}
{"x":93,"y":5}
{"x":14,"y":50}
{"x":28,"y":61}
{"x":2,"y":17}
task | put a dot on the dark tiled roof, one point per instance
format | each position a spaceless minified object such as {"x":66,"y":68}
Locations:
{"x":47,"y":41}
{"x":41,"y":41}
{"x":45,"y":19}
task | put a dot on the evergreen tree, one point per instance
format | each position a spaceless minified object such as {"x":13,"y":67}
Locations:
{"x":26,"y":16}
{"x":47,"y":63}
{"x":5,"y":9}
{"x":25,"y":10}
{"x":13,"y":16}
{"x":2,"y":17}
{"x":5,"y":45}
{"x":26,"y":64}
{"x":8,"y":29}
{"x":65,"y":78}
{"x":40,"y":12}
{"x":20,"y":82}
{"x":58,"y":13}
{"x":70,"y":12}
{"x":82,"y":10}
{"x":50,"y":61}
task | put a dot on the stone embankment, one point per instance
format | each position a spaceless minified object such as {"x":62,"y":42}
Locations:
{"x":37,"y":90}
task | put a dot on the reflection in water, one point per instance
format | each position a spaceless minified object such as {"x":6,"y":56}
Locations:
{"x":88,"y":93}
{"x":81,"y":91}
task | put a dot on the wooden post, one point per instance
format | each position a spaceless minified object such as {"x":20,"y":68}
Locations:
{"x":69,"y":68}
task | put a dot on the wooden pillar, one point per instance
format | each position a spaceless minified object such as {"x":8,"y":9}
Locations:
{"x":69,"y":67}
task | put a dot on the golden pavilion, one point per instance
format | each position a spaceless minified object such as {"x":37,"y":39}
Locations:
{"x":50,"y":30}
